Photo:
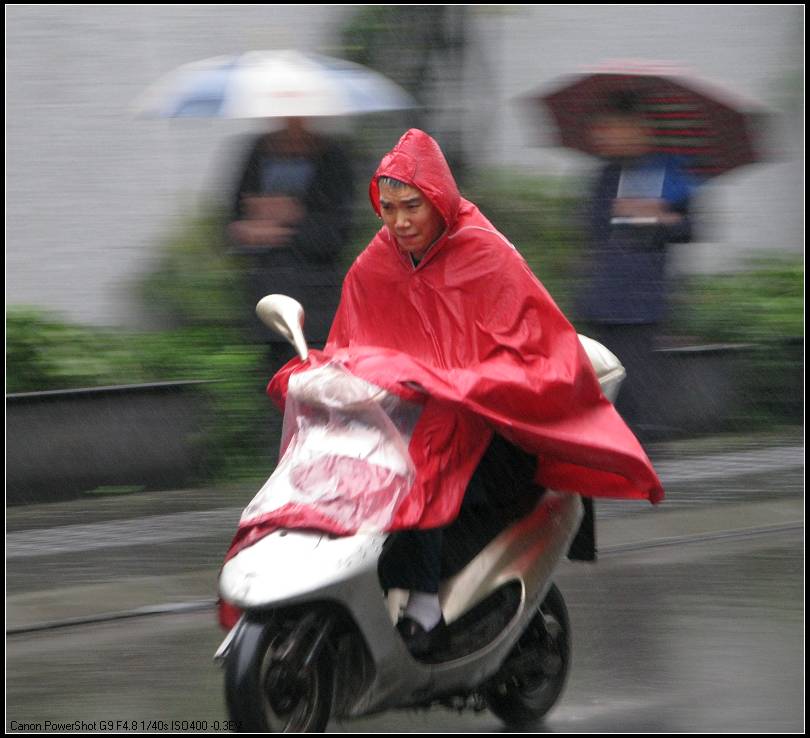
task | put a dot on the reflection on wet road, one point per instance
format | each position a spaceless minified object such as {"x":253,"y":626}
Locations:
{"x":694,"y":637}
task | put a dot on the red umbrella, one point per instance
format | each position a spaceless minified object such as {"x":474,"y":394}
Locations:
{"x":685,"y":116}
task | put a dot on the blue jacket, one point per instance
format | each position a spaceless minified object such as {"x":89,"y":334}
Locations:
{"x":626,"y":263}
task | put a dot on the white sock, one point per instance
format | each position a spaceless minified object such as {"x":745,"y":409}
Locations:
{"x":425,"y":609}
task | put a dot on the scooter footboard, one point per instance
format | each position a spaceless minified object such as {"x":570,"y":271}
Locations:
{"x":525,"y":554}
{"x":527,"y":551}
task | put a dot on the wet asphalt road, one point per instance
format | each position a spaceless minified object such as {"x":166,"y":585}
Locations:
{"x":700,"y":635}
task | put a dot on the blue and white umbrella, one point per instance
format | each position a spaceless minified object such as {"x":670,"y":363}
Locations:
{"x":271,"y":84}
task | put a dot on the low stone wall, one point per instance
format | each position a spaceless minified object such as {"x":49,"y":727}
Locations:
{"x":700,"y":388}
{"x":723,"y":387}
{"x":59,"y":444}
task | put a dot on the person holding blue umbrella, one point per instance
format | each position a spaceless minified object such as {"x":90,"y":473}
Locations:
{"x":291,"y":217}
{"x":292,"y":200}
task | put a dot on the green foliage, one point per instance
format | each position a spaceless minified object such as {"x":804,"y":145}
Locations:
{"x":197,"y":287}
{"x":762,"y":304}
{"x":196,"y":282}
{"x":364,"y":26}
{"x":398,"y":40}
{"x":422,"y":48}
{"x":764,"y":307}
{"x":44,"y":353}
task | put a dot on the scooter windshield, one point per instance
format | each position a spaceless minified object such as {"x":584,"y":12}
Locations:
{"x":344,"y":452}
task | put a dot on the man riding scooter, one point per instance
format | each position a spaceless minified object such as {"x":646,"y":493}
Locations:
{"x":439,"y":283}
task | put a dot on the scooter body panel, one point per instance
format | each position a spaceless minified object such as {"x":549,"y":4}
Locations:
{"x":287,"y":568}
{"x":527,"y":552}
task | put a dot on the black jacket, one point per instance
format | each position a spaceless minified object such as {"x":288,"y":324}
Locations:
{"x":307,"y":268}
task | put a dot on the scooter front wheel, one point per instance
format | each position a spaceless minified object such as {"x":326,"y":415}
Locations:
{"x":533,"y":675}
{"x":267,"y":692}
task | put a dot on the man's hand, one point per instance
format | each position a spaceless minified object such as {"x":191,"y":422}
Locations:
{"x":259,"y":233}
{"x":279,"y":208}
{"x":645,"y":208}
{"x":269,"y":220}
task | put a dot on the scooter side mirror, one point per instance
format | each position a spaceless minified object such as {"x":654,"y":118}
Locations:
{"x":286,"y":317}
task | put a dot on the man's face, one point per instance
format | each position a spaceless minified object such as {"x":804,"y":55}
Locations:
{"x":620,"y":137}
{"x":410,"y":217}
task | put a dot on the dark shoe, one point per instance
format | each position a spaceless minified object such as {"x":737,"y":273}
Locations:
{"x":419,"y":641}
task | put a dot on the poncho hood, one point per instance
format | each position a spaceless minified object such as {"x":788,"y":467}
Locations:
{"x":418,"y":161}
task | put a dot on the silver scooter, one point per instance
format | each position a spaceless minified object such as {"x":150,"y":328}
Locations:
{"x":317,"y":638}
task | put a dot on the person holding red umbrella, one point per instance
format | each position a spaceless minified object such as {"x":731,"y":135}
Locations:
{"x":638,"y":206}
{"x":660,"y":131}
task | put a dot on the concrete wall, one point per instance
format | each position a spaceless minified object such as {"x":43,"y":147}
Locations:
{"x":90,"y":190}
{"x":59,"y":444}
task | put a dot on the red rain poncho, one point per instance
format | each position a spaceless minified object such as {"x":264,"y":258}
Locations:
{"x":475,"y":328}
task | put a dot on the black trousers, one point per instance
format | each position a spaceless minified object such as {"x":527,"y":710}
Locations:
{"x":633,"y":345}
{"x":500,"y":490}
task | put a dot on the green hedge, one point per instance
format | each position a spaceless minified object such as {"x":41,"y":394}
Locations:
{"x":763,"y":303}
{"x":45,"y":353}
{"x":762,"y":306}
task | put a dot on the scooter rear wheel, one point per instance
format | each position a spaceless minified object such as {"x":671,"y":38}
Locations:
{"x":534,"y":674}
{"x":269,"y":694}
